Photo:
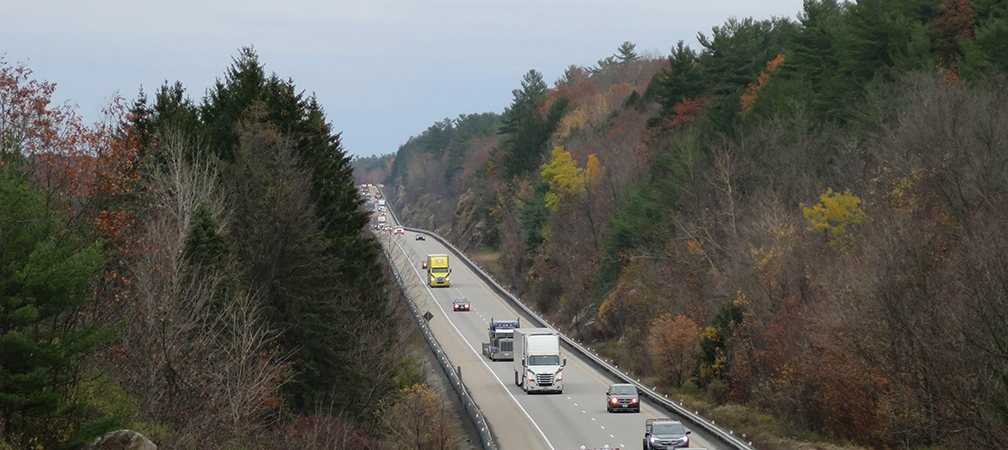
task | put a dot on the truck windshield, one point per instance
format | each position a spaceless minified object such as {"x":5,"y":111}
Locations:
{"x":544,"y":360}
{"x":439,"y":270}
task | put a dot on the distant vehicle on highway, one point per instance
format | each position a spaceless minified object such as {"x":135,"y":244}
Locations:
{"x":420,"y":237}
{"x":424,"y":265}
{"x":662,"y":434}
{"x":622,"y":397}
{"x":400,"y":230}
{"x":460,"y":304}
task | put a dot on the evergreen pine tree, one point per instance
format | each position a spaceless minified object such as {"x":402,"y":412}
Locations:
{"x":45,"y":280}
{"x":528,"y":130}
{"x":298,"y":232}
{"x":226,"y":101}
{"x":626,"y":52}
{"x":680,"y":81}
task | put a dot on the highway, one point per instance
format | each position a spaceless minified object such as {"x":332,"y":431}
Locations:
{"x":570,"y":420}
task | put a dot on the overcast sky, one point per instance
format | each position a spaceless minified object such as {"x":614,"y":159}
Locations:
{"x":383,"y":70}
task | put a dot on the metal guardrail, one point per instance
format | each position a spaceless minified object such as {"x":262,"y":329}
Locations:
{"x":487,"y":440}
{"x":692,"y":417}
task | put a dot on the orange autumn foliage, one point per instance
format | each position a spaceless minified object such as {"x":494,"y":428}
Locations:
{"x":749,"y":97}
{"x":688,"y":110}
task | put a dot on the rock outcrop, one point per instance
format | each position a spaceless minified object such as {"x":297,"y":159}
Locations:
{"x":121,"y":440}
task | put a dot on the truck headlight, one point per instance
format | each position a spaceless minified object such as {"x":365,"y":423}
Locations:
{"x":530,"y":378}
{"x":559,"y":376}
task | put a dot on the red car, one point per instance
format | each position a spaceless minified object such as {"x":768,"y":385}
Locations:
{"x":461,"y":304}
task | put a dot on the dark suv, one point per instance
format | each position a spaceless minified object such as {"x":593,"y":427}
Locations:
{"x":622,"y":397}
{"x":661,"y":434}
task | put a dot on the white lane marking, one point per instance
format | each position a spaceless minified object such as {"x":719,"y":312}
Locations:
{"x":480,"y":357}
{"x":614,"y":437}
{"x":593,"y":419}
{"x":603,"y":427}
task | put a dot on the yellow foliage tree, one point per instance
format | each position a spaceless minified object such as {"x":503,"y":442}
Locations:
{"x":593,"y":170}
{"x":563,"y":177}
{"x":632,"y":305}
{"x":674,"y":345}
{"x":572,"y":121}
{"x":598,"y":110}
{"x":834,"y":212}
{"x":418,"y":419}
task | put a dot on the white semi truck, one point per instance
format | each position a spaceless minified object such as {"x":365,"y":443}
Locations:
{"x":538,"y":363}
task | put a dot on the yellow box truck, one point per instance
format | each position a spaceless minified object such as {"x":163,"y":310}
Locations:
{"x":437,"y":270}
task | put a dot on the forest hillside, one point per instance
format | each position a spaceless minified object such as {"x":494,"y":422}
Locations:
{"x":800,"y":218}
{"x":199,"y":272}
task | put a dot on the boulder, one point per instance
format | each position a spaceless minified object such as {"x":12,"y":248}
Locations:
{"x":121,"y":440}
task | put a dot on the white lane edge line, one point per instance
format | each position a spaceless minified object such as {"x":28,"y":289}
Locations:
{"x":480,"y":356}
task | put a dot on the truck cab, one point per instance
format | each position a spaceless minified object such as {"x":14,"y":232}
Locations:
{"x":538,"y":363}
{"x":438,"y":271}
{"x":501,"y":345}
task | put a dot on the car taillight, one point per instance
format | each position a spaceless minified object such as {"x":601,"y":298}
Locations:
{"x":466,"y":306}
{"x":634,"y":400}
{"x":614,"y":400}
